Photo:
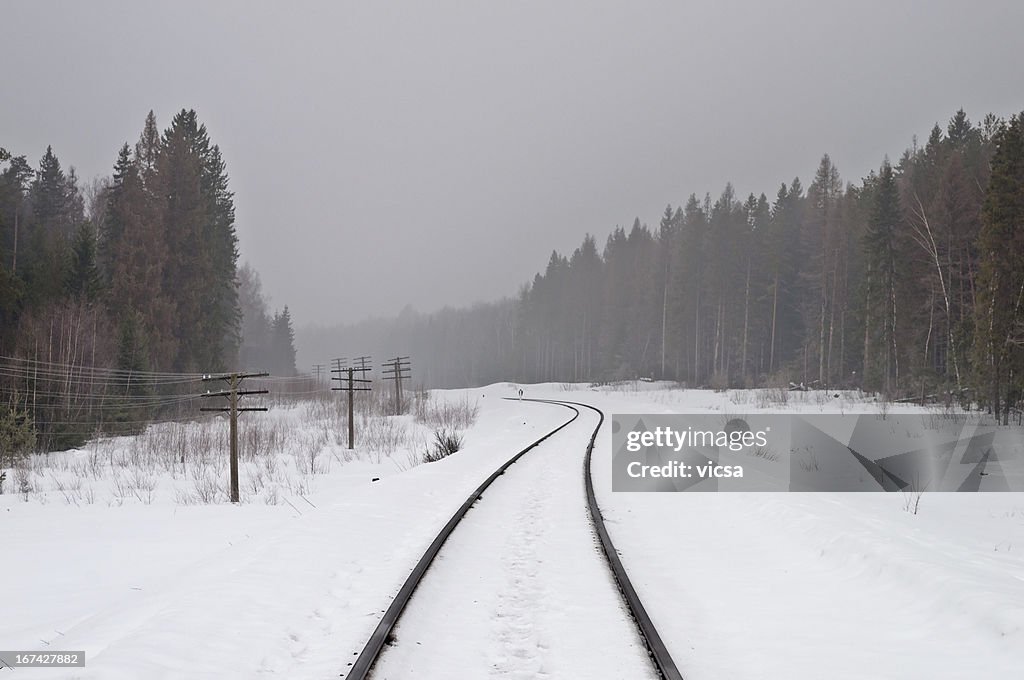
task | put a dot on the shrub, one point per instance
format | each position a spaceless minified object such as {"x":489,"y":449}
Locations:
{"x":446,"y":442}
{"x":17,"y":435}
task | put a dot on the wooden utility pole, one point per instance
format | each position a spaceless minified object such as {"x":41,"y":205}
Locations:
{"x":317,"y":370}
{"x":338,"y":364}
{"x":350,"y":384}
{"x":362,"y":364}
{"x":233,"y":393}
{"x":397,"y":369}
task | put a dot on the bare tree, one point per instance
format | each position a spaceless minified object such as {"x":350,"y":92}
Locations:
{"x":924,"y":236}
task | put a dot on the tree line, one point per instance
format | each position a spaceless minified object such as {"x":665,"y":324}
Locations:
{"x":116,"y":295}
{"x":909,"y":282}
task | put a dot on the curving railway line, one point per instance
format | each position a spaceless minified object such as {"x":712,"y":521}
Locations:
{"x":383,"y":638}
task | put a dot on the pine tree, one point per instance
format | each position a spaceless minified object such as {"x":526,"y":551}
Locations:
{"x":822,"y":236}
{"x":584,"y":317}
{"x":999,"y":329}
{"x":753,"y":357}
{"x":686,"y":300}
{"x":724,"y":280}
{"x":881,"y":351}
{"x":784,"y":255}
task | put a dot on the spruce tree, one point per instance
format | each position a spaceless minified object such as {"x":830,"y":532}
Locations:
{"x":198,"y":219}
{"x":223,"y":243}
{"x":49,"y":198}
{"x":686,"y":302}
{"x":256,"y":329}
{"x":999,"y":326}
{"x":881,"y":351}
{"x":184,"y":211}
{"x":84,"y":281}
{"x":783,"y":294}
{"x":132,"y":358}
{"x":283,"y":344}
{"x":134,"y":255}
{"x":14,"y":183}
{"x":821,"y":238}
{"x":55,"y":212}
{"x":147,"y":149}
{"x":115,"y":219}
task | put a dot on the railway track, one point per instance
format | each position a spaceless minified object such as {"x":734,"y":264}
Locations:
{"x":660,"y":655}
{"x":382,"y":634}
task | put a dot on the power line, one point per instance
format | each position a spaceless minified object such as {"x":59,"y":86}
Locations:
{"x":85,"y":379}
{"x":86,"y":407}
{"x":98,"y":396}
{"x":103,"y":369}
{"x":108,"y":423}
{"x":287,"y":378}
{"x":362,"y":364}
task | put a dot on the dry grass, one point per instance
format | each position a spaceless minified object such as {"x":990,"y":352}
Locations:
{"x":281,"y":452}
{"x":445,"y":414}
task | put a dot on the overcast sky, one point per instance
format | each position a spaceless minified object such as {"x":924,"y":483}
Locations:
{"x":433,"y":153}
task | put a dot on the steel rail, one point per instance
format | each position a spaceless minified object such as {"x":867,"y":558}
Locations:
{"x":659,"y":653}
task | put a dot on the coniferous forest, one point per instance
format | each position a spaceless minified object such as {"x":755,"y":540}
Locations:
{"x":115,"y":294}
{"x":909,"y":282}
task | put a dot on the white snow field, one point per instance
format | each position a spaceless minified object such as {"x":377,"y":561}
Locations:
{"x":153,"y":583}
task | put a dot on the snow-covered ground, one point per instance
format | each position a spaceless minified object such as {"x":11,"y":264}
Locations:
{"x":806,"y":585}
{"x":153,"y":583}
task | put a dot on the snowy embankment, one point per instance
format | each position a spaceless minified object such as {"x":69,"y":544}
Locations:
{"x":157,"y":584}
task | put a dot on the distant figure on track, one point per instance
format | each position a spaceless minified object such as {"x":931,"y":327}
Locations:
{"x":520,"y":394}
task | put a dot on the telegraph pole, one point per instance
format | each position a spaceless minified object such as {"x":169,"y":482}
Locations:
{"x":318,"y":369}
{"x":350,"y":384}
{"x":234,"y":381}
{"x":362,"y":364}
{"x":397,"y":369}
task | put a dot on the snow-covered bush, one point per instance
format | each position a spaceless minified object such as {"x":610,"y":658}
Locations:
{"x":446,"y":442}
